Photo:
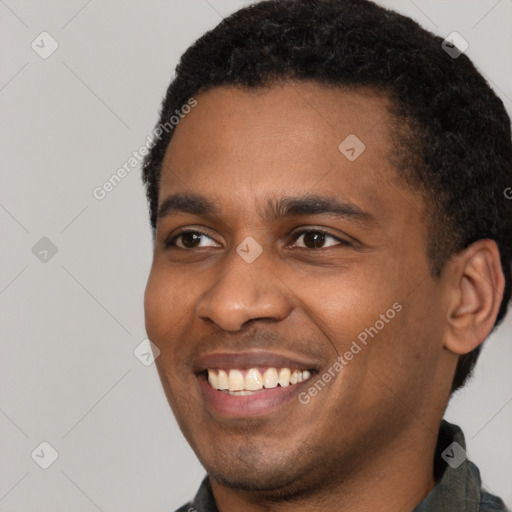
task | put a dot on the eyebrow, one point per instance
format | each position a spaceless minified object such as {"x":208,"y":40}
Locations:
{"x":275,"y":209}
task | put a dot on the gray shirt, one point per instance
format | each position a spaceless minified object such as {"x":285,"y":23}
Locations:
{"x":458,"y":484}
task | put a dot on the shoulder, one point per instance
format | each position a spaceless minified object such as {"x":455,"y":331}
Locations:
{"x":487,"y":502}
{"x":491,"y":503}
{"x":186,"y":508}
{"x":203,"y":501}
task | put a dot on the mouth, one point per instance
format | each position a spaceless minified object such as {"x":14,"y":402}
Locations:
{"x":247,"y":385}
{"x":242,"y":382}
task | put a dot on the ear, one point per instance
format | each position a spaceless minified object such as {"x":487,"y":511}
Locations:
{"x":475,"y":285}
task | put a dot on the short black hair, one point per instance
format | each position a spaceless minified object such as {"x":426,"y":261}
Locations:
{"x":453,"y":132}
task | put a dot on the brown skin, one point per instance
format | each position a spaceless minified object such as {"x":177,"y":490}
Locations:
{"x":366,"y":441}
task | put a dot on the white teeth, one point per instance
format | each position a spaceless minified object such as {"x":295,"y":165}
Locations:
{"x":284,"y":377}
{"x":213,"y":379}
{"x":270,"y":378}
{"x":222,"y":379}
{"x":234,"y":382}
{"x":253,"y":380}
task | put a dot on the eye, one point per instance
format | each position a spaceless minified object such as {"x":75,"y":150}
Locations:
{"x":316,"y":238}
{"x":190,"y":239}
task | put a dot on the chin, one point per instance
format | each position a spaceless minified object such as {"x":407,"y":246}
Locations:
{"x":272,"y":482}
{"x":273,"y":473}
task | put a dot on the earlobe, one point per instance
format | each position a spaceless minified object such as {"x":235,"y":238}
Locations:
{"x":475,"y":287}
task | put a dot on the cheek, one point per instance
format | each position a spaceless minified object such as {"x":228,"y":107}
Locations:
{"x":373,"y":322}
{"x":405,"y":354}
{"x":348,"y":306}
{"x":161,"y":306}
{"x":162,"y":314}
{"x":169,"y":305}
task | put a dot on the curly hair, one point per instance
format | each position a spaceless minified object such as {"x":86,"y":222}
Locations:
{"x":453,"y":132}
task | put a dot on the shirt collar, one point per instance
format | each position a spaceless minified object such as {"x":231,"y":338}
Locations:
{"x":458,"y":484}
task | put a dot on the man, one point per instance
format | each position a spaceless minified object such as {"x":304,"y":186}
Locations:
{"x":332,"y":247}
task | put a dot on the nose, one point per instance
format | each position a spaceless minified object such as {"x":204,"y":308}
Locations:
{"x":244,"y":292}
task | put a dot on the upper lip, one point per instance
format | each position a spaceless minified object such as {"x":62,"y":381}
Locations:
{"x":251,"y":359}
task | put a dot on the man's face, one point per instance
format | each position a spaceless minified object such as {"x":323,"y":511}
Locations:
{"x":326,"y":283}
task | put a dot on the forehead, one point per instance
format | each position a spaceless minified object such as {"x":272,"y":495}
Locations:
{"x":243,"y":146}
{"x":298,"y":116}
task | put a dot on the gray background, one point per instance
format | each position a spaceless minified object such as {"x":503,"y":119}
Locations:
{"x":70,"y":324}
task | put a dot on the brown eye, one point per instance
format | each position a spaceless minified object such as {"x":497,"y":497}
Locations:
{"x":316,"y":239}
{"x":189,"y":240}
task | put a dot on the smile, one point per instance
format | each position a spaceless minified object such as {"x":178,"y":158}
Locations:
{"x":253,"y":383}
{"x":244,"y":382}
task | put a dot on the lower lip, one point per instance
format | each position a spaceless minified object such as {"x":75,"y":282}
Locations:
{"x":249,"y":406}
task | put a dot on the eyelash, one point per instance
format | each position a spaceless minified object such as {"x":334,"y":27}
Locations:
{"x":172,"y":241}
